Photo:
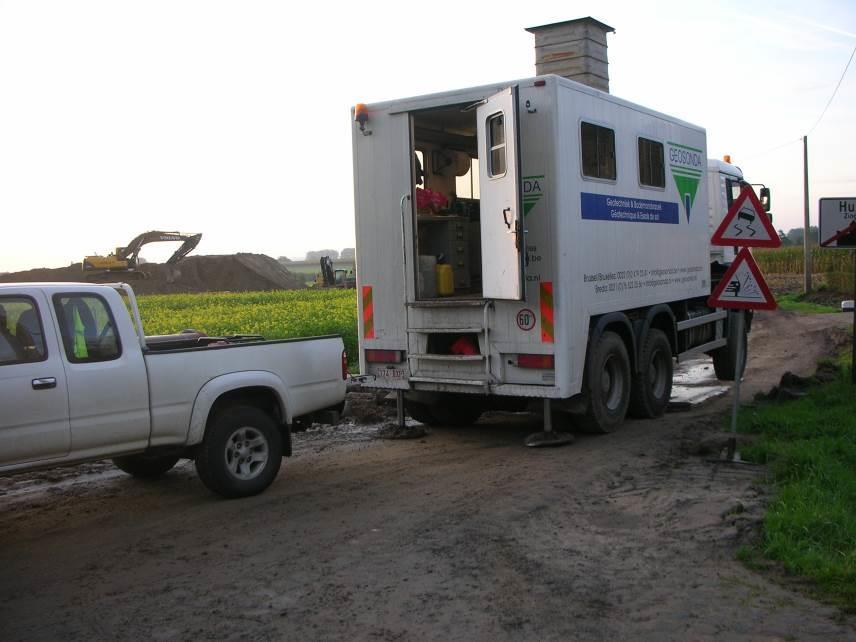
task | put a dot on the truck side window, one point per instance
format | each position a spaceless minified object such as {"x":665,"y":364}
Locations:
{"x":88,"y":328}
{"x":496,"y":145}
{"x":652,"y":166}
{"x":598,"y":148}
{"x":732,"y":190}
{"x":21,"y":337}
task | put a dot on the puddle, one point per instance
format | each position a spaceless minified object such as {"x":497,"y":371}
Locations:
{"x":322,"y":436}
{"x":59,"y":480}
{"x":694,"y":381}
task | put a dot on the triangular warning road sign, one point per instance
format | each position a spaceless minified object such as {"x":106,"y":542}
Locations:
{"x":746,"y":224}
{"x":743,"y":286}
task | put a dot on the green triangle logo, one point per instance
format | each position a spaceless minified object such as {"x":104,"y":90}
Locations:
{"x":532,"y":189}
{"x":528,"y":205}
{"x":687,"y":189}
{"x":688,"y":165}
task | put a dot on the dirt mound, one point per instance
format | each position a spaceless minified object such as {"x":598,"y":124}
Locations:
{"x":231,"y":272}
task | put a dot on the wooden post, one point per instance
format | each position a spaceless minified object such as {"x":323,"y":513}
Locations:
{"x":807,"y":224}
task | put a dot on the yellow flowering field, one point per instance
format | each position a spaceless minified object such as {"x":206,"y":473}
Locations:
{"x":281,"y":314}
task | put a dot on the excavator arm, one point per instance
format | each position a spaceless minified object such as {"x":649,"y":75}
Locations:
{"x":126,"y":258}
{"x":131,"y":251}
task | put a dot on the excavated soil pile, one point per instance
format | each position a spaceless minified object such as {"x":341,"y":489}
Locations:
{"x":226,"y":273}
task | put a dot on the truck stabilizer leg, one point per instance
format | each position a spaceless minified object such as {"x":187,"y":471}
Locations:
{"x":548,"y":437}
{"x":399,"y":408}
{"x":400,"y":429}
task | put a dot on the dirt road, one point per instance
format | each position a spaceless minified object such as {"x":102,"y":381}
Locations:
{"x":463,"y":534}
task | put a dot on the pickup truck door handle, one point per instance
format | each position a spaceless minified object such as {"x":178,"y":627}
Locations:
{"x":44,"y":383}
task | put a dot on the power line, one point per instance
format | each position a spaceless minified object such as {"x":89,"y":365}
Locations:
{"x":835,"y":91}
{"x":772,"y":149}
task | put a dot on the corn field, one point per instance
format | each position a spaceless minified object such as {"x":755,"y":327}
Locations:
{"x":835,"y":265}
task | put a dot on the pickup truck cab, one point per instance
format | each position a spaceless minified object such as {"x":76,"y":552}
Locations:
{"x":79,"y":381}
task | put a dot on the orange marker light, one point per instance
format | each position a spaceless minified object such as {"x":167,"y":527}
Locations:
{"x":361,"y":115}
{"x":727,"y":158}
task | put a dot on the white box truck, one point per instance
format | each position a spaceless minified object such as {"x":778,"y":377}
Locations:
{"x":576,"y":229}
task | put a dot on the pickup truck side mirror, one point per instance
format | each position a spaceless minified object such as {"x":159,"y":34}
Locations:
{"x":764,"y":197}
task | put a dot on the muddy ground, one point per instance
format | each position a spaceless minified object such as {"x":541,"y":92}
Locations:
{"x":462,"y":534}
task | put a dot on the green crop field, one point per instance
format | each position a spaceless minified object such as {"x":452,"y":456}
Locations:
{"x":835,"y":265}
{"x":274,"y":315}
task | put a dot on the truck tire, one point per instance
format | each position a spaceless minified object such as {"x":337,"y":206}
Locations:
{"x":146,"y":466}
{"x":241,"y":452}
{"x":420,"y":412}
{"x":725,"y":358}
{"x":455,"y":413}
{"x":608,"y":384}
{"x":451,"y":410}
{"x":652,"y":387}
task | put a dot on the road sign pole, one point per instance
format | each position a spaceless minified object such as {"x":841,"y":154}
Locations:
{"x":738,"y":375}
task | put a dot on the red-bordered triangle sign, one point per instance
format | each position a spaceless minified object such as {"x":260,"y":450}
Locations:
{"x":746,"y":224}
{"x":743,"y":286}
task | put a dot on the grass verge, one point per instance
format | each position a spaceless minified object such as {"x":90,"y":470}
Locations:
{"x":796,"y":303}
{"x":810,"y":447}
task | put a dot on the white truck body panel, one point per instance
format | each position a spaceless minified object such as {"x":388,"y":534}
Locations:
{"x":34,"y":422}
{"x":141,"y":400}
{"x":592,"y":246}
{"x":299,"y":371}
{"x":501,"y":224}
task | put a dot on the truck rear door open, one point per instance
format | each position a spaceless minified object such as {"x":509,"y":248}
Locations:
{"x":502,"y":233}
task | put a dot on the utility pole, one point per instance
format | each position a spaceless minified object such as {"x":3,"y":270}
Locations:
{"x":807,"y":226}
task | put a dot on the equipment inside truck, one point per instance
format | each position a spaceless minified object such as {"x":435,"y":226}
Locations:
{"x":447,"y":233}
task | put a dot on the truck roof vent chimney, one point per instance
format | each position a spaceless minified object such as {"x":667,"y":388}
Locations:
{"x":575,"y":49}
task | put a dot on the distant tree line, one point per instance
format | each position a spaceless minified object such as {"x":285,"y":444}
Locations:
{"x":347,"y":254}
{"x":795,"y":236}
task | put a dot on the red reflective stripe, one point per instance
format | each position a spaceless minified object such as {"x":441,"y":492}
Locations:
{"x":542,"y":361}
{"x":547,"y":333}
{"x":384,"y":356}
{"x":368,"y":313}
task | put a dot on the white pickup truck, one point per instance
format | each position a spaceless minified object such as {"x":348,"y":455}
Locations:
{"x":79,"y":380}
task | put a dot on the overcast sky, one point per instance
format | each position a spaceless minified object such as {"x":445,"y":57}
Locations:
{"x":232,"y":118}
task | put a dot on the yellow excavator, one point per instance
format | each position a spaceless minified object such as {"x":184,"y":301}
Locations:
{"x":124,"y":262}
{"x":330,"y":278}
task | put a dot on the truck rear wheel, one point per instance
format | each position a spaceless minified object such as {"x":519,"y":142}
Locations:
{"x":725,"y":358}
{"x":449,"y":410}
{"x":241,"y":452}
{"x":652,"y":387}
{"x":456,"y":412}
{"x":420,"y":412}
{"x":146,"y":466}
{"x":608,"y":382}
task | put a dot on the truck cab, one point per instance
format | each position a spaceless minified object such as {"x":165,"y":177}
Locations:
{"x":724,"y":184}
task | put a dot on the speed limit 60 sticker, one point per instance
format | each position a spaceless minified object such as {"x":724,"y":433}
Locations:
{"x":526,"y":319}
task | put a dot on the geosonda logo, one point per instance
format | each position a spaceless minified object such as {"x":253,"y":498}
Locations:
{"x":688,"y":166}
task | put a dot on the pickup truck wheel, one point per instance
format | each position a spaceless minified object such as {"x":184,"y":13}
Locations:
{"x":652,"y":388}
{"x":608,"y":384}
{"x":146,"y":466}
{"x":241,"y":452}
